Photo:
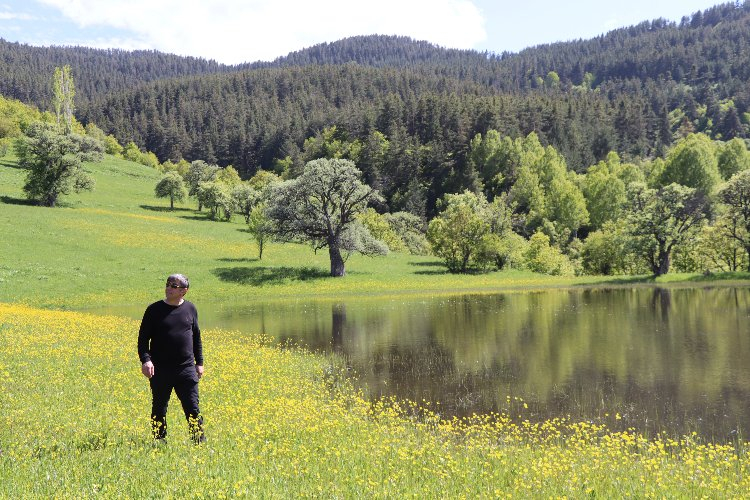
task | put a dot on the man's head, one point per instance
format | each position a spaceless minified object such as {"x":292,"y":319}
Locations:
{"x":177,"y":287}
{"x":178,"y":281}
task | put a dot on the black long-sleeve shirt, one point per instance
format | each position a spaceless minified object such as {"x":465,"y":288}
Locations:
{"x":169,"y":335}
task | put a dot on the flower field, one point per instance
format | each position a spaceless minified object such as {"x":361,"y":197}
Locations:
{"x":284,"y":423}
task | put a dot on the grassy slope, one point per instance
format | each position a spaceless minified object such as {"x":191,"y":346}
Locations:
{"x":116,"y":244}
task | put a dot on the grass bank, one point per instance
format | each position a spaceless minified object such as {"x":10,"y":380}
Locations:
{"x":282,"y":423}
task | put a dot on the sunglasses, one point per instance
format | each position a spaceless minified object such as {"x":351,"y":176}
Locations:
{"x":172,"y":285}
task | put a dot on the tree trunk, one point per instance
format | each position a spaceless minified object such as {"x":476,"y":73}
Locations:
{"x":171,"y":202}
{"x":337,"y":262}
{"x":664,"y":260}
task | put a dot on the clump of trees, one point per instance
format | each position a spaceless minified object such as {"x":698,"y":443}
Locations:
{"x":53,"y":153}
{"x":527,"y":209}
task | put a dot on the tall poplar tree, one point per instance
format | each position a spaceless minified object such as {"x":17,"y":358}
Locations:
{"x":64,"y":92}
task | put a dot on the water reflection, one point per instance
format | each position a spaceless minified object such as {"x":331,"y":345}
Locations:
{"x":660,"y":359}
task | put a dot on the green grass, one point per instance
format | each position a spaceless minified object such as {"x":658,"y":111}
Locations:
{"x":281,"y":422}
{"x":115,"y":246}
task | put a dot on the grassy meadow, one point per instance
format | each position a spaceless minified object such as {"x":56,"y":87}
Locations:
{"x":280,"y":422}
{"x":115,"y":245}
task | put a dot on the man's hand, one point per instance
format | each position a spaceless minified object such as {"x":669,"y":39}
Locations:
{"x":199,"y":370}
{"x":147,"y":369}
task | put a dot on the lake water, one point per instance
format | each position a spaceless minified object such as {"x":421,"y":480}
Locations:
{"x":672,"y":360}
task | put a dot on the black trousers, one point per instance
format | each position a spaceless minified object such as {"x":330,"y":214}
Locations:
{"x":184,"y":381}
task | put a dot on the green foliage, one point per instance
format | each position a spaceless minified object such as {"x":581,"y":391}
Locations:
{"x":245,"y":197}
{"x":692,"y":163}
{"x":228,"y":176}
{"x":380,"y":229}
{"x":462,"y":235}
{"x":132,"y":152}
{"x":605,"y":251}
{"x":547,"y":192}
{"x":263,"y":180}
{"x":410,"y":229}
{"x":260,"y":226}
{"x":331,"y":143}
{"x":64,"y":93}
{"x":182,"y":167}
{"x":510,"y":251}
{"x":16,"y":116}
{"x":733,"y":157}
{"x":605,"y":190}
{"x":540,"y":257}
{"x":736,"y":221}
{"x":199,"y":171}
{"x":217,"y":198}
{"x":716,"y":250}
{"x":660,"y":220}
{"x":171,"y":186}
{"x":53,"y":160}
{"x":320,"y":205}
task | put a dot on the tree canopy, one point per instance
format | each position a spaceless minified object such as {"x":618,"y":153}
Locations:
{"x":320,"y":207}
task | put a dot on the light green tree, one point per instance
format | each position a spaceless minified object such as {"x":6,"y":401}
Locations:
{"x":54,"y":162}
{"x":171,"y":186}
{"x":380,"y":229}
{"x":467,"y":233}
{"x":605,"y":251}
{"x":604,"y":188}
{"x":229,"y":176}
{"x":736,"y":197}
{"x":321,"y":206}
{"x":692,"y":163}
{"x":199,"y":171}
{"x":660,"y":220}
{"x":244,"y":198}
{"x":111,"y":146}
{"x":547,"y":194}
{"x":541,"y":257}
{"x":63,"y":95}
{"x":260,"y":227}
{"x":411,"y":229}
{"x":733,"y":157}
{"x":216,"y":197}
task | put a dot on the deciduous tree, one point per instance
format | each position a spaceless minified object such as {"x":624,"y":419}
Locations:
{"x":320,"y":206}
{"x":171,"y":186}
{"x":736,"y":196}
{"x":660,"y":220}
{"x":53,"y":160}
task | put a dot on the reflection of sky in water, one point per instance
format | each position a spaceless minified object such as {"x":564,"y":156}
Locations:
{"x":661,"y":359}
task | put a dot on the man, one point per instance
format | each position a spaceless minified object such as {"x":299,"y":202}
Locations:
{"x":171,"y":352}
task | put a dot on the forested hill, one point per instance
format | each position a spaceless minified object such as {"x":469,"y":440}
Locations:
{"x":378,"y":51}
{"x":708,"y":46}
{"x":26,"y":71}
{"x":634,"y":90}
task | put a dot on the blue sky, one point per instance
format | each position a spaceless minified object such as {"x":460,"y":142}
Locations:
{"x":236,"y":31}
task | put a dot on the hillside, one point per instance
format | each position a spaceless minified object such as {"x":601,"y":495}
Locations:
{"x":26,"y":71}
{"x":114,"y":246}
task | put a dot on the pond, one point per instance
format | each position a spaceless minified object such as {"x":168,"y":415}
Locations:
{"x":672,"y":360}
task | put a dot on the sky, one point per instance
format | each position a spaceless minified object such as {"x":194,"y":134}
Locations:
{"x":237,"y":31}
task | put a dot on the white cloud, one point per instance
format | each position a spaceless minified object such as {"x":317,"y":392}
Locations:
{"x":234,"y":31}
{"x":14,"y":16}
